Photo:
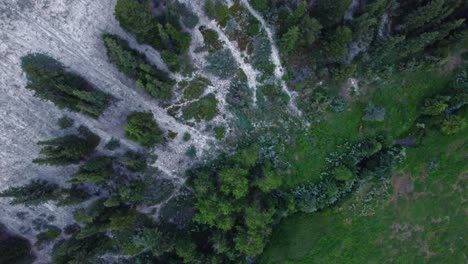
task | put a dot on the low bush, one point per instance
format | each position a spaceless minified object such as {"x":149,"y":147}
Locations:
{"x":143,"y":129}
{"x":203,"y":109}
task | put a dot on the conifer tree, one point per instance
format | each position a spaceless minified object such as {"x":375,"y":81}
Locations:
{"x":135,"y":65}
{"x":70,"y":149}
{"x":96,"y":170}
{"x":51,"y":81}
{"x":142,"y":128}
{"x":34,"y":193}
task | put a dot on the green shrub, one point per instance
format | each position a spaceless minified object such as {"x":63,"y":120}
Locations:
{"x":435,"y":106}
{"x":191,"y":152}
{"x":196,"y":88}
{"x":453,"y":125}
{"x":172,"y":134}
{"x":221,"y":63}
{"x":50,"y":80}
{"x":219,"y":132}
{"x":113,"y":144}
{"x":172,"y":61}
{"x":205,"y":108}
{"x":211,"y":39}
{"x":342,"y":173}
{"x":336,"y":45}
{"x":186,"y":136}
{"x":133,"y":161}
{"x":65,"y":122}
{"x":51,"y":234}
{"x":143,"y":129}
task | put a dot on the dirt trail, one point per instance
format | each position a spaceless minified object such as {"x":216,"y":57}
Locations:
{"x":250,"y":72}
{"x":275,"y":57}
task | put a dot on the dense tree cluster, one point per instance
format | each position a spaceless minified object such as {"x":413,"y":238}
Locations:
{"x":447,"y":112}
{"x":143,"y":129}
{"x":162,"y":32}
{"x":50,"y":80}
{"x":135,"y":65}
{"x":392,"y":32}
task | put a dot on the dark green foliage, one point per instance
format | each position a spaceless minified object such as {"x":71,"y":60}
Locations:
{"x":133,"y":161}
{"x":453,"y":125}
{"x":227,"y":200}
{"x":34,"y":193}
{"x":83,"y":251}
{"x":211,"y":39}
{"x":191,"y":152}
{"x":95,"y":170}
{"x":70,"y":149}
{"x":136,"y":18}
{"x":187,"y":136}
{"x":143,"y":129}
{"x":14,"y":249}
{"x":172,"y":60}
{"x":196,"y":88}
{"x":219,"y":132}
{"x":260,"y":5}
{"x":435,"y":106}
{"x":217,"y":10}
{"x":290,"y":39}
{"x":342,"y":173}
{"x":336,"y":44}
{"x":65,"y":122}
{"x":330,"y":12}
{"x":51,"y":81}
{"x":113,"y":144}
{"x":135,"y":65}
{"x":162,"y":32}
{"x":172,"y":134}
{"x":51,"y":234}
{"x":74,"y":195}
{"x":205,"y":108}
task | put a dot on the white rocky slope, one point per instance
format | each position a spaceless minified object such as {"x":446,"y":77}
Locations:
{"x":69,"y":31}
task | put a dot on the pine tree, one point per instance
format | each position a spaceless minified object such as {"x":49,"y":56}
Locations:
{"x":51,"y":81}
{"x":290,"y":39}
{"x":143,"y":129}
{"x":70,"y":149}
{"x":34,"y":193}
{"x":336,"y":45}
{"x":95,"y":170}
{"x":135,"y":65}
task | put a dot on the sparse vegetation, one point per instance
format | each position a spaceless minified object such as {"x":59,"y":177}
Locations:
{"x":203,"y":109}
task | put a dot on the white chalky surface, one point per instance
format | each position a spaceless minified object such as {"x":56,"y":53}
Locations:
{"x":71,"y":32}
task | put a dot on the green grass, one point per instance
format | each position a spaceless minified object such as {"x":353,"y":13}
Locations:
{"x":431,"y":219}
{"x":400,"y":98}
